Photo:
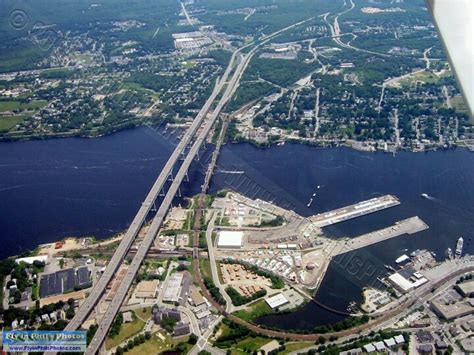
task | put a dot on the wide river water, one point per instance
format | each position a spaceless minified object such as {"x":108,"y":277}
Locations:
{"x":77,"y":187}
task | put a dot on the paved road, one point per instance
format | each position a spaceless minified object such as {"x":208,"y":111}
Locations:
{"x":145,"y":245}
{"x":139,"y":219}
{"x":147,"y":242}
{"x":212,"y":261}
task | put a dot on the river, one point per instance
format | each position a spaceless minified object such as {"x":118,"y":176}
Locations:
{"x":77,"y":187}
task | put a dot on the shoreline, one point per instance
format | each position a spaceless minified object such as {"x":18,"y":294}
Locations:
{"x":361,"y":146}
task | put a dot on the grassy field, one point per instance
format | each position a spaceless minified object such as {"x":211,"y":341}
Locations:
{"x":7,"y":123}
{"x":458,"y":103}
{"x":12,"y":105}
{"x":296,"y":346}
{"x":206,"y":268}
{"x":144,"y":313}
{"x":252,"y":344}
{"x":257,"y":309}
{"x":127,"y":331}
{"x":153,"y":346}
{"x":424,"y":77}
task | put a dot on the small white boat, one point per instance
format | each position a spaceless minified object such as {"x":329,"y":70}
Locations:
{"x":319,"y":186}
{"x":425,"y":195}
{"x":459,"y":246}
{"x":402,"y":258}
{"x":310,"y":202}
{"x":314,"y":194}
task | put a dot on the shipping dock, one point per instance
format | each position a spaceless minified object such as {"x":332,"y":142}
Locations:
{"x":353,"y":211}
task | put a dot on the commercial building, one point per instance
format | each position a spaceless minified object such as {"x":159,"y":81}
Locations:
{"x":230,"y":239}
{"x":450,"y":311}
{"x":276,"y":301}
{"x":64,"y":280}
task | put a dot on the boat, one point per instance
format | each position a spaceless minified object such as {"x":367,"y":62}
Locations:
{"x":319,"y":186}
{"x":459,"y":246}
{"x":402,"y":258}
{"x":388,"y":267}
{"x":449,"y":254}
{"x":314,"y":194}
{"x":425,"y":195}
{"x":281,"y":143}
{"x":310,"y":202}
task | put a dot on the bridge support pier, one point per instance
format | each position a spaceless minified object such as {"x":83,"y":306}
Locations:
{"x":162,"y":193}
{"x":171,"y":177}
{"x":186,"y":177}
{"x":179,"y":192}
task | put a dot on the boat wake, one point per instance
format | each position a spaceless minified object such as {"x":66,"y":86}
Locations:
{"x":428,"y":197}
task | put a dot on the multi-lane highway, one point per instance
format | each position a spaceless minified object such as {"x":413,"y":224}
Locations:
{"x":119,"y":297}
{"x":117,"y":259}
{"x":130,"y":235}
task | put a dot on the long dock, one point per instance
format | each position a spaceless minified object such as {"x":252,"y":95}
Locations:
{"x":353,"y":211}
{"x":407,"y":226}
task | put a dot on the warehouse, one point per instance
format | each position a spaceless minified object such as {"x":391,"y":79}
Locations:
{"x":276,"y":301}
{"x":406,"y":279}
{"x":230,"y":239}
{"x":173,"y":288}
{"x":466,"y":288}
{"x":64,"y":280}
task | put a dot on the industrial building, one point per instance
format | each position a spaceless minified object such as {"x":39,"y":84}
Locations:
{"x":450,"y":311}
{"x":466,"y":288}
{"x":276,"y":301}
{"x":64,"y":280}
{"x":171,"y":293}
{"x":406,"y":279}
{"x":230,"y":239}
{"x":190,"y":40}
{"x":147,"y":289}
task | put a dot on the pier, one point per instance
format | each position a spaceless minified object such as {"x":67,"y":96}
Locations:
{"x":407,"y":226}
{"x":359,"y":209}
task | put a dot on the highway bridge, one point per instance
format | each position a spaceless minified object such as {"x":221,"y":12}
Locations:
{"x":155,"y":226}
{"x":137,"y":223}
{"x":130,"y":236}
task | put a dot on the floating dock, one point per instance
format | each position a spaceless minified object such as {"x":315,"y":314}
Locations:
{"x":353,"y":211}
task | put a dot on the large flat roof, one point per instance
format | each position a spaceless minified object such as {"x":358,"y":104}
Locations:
{"x":230,"y":239}
{"x":171,"y":292}
{"x":276,"y":301}
{"x":467,"y":287}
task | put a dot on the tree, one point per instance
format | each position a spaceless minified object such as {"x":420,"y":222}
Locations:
{"x":168,"y":324}
{"x":70,"y":312}
{"x":193,"y":338}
